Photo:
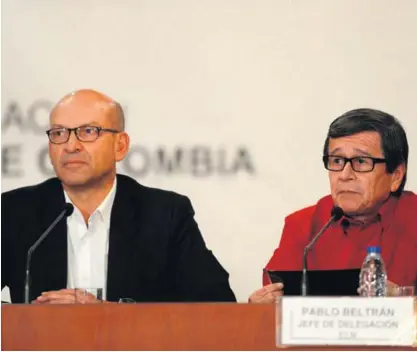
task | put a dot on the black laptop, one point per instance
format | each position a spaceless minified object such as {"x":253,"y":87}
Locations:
{"x":320,"y":282}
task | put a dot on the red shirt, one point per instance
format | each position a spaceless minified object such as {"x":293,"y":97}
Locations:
{"x":343,"y":245}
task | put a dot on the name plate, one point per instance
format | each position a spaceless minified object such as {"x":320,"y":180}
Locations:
{"x":382,"y":321}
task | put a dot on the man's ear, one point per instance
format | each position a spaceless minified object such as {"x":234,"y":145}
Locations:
{"x":397,"y":177}
{"x":122,"y":146}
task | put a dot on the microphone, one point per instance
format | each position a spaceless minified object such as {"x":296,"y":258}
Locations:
{"x":67,"y":211}
{"x":336,"y":215}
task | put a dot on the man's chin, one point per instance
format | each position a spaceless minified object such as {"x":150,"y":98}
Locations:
{"x":74,"y":182}
{"x":349,"y":208}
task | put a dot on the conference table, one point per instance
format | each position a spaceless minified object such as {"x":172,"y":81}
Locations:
{"x":158,"y":326}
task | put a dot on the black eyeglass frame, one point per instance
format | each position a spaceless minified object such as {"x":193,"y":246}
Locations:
{"x":375,"y":161}
{"x":76,"y":131}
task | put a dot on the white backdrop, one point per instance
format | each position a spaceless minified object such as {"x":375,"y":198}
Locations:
{"x":245,"y":90}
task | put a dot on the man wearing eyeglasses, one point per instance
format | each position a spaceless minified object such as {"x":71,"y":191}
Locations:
{"x":136,"y":243}
{"x":366,"y":155}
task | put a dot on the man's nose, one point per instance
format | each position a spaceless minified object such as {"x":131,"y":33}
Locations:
{"x":347,"y":173}
{"x":73,"y":144}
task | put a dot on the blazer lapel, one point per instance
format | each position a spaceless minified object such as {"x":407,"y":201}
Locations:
{"x":121,"y":242}
{"x":49,"y":261}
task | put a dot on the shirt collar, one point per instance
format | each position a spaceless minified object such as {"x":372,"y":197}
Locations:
{"x":105,"y":207}
{"x":384,"y":216}
{"x":387,"y":210}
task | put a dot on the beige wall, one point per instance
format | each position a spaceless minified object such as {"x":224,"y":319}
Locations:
{"x":265,"y":76}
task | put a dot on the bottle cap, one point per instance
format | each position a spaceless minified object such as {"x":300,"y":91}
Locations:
{"x":374,"y":249}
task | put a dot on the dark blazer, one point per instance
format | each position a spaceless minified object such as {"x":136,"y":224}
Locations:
{"x":156,"y":251}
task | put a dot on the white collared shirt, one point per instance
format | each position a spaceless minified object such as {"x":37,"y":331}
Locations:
{"x":88,"y":245}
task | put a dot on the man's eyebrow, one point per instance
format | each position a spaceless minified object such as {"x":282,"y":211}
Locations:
{"x":335,"y":150}
{"x":91,"y":123}
{"x":360,"y":151}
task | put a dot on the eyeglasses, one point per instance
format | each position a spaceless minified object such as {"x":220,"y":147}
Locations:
{"x":84,"y":133}
{"x":358,"y":163}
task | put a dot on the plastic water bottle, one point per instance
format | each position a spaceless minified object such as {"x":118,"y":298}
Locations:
{"x":373,"y":276}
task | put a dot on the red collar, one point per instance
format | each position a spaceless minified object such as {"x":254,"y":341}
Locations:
{"x":384,"y":216}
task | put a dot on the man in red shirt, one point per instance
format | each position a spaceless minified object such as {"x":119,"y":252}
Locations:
{"x":366,"y":153}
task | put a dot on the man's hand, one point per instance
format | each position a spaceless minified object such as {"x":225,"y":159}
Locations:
{"x":65,"y":296}
{"x":267,"y":294}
